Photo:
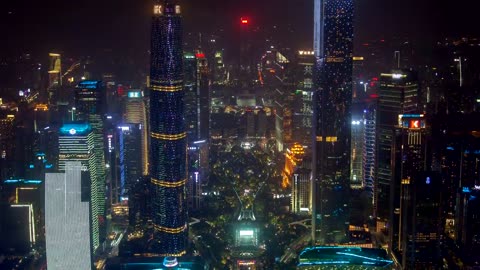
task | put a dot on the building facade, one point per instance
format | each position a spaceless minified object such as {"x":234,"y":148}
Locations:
{"x":136,"y":113}
{"x":333,"y":45}
{"x":130,"y":158}
{"x":398,"y":94}
{"x":417,"y":216}
{"x":76,"y":142}
{"x":90,"y":99}
{"x":67,"y":217}
{"x":168,"y":149}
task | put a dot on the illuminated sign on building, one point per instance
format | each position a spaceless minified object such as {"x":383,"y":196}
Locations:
{"x":394,"y":75}
{"x":246,"y":233}
{"x":157,"y":9}
{"x":135,"y":94}
{"x":89,"y":84}
{"x":305,"y":52}
{"x":75,"y":129}
{"x":411,"y":121}
{"x":22,"y":181}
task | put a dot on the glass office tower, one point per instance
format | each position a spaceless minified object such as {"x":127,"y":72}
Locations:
{"x":76,"y":142}
{"x":333,"y":42}
{"x":168,"y":148}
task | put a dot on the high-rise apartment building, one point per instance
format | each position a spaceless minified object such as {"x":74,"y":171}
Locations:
{"x":168,"y":149}
{"x":333,"y":45}
{"x":67,"y":218}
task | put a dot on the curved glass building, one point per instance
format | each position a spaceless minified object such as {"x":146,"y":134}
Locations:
{"x":168,"y":148}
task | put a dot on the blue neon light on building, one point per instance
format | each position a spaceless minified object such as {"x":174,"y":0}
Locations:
{"x":75,"y":129}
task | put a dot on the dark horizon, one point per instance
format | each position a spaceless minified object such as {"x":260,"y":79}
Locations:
{"x":124,"y":26}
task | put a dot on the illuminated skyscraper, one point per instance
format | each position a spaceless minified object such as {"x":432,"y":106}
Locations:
{"x":67,"y":217}
{"x":130,"y":165}
{"x":303,"y":107}
{"x":136,"y":113}
{"x":7,"y":145}
{"x":90,"y":107}
{"x":356,"y":163}
{"x":197,"y":87}
{"x":76,"y":143}
{"x":54,"y":77}
{"x":397,"y":95}
{"x":369,"y":117}
{"x":333,"y":42}
{"x":417,"y":222}
{"x":168,"y":149}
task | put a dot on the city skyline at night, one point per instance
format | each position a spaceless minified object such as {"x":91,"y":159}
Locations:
{"x":242,"y":135}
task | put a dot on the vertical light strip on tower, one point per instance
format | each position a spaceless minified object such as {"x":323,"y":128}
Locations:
{"x":168,"y":155}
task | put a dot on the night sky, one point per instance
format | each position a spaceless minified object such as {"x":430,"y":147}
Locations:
{"x":77,"y":27}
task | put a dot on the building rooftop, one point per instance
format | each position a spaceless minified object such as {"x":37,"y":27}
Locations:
{"x":331,"y":257}
{"x":155,"y":263}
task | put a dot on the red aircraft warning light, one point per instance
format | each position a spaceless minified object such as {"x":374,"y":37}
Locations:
{"x":244,"y":20}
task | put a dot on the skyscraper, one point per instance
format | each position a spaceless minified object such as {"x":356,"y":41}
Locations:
{"x":136,"y":113}
{"x":333,"y":42}
{"x":397,"y":95}
{"x":54,"y":77}
{"x":76,"y":142}
{"x":369,"y":117}
{"x":197,"y":87}
{"x":90,"y":107}
{"x":416,"y":222}
{"x":356,"y":162}
{"x":73,"y":143}
{"x":130,"y":161}
{"x":168,"y":152}
{"x":303,"y":107}
{"x":67,"y":218}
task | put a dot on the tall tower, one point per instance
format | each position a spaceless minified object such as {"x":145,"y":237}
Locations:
{"x":398,"y":94}
{"x":168,"y":152}
{"x":67,"y":216}
{"x":333,"y":42}
{"x":90,"y":107}
{"x":76,"y":142}
{"x":136,"y":113}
